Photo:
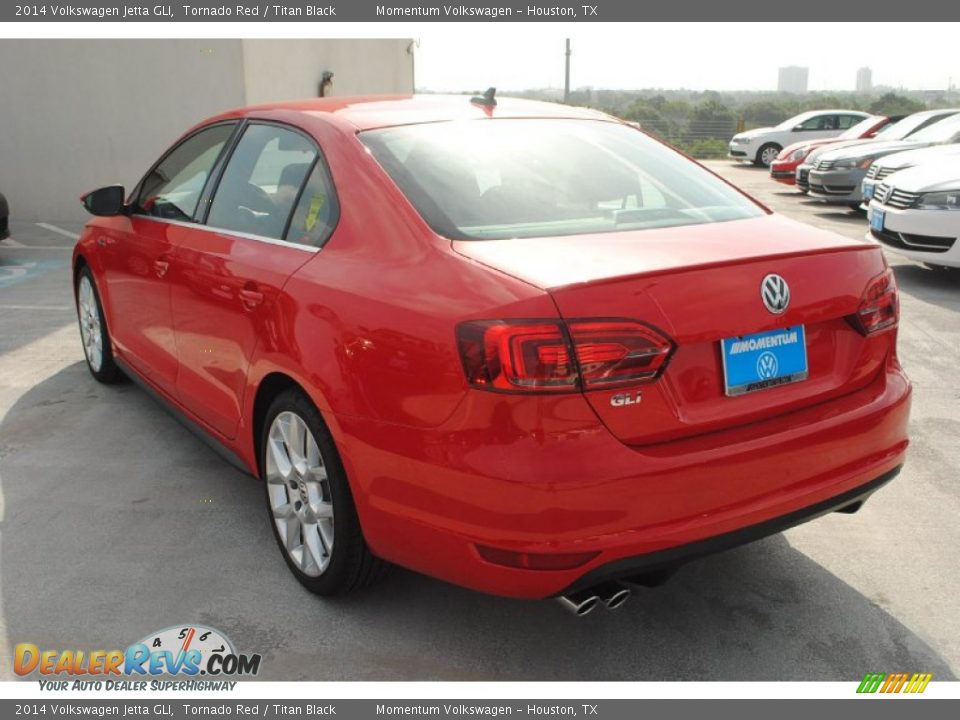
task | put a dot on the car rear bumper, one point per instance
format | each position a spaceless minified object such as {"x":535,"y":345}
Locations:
{"x":428,"y":499}
{"x":651,"y":563}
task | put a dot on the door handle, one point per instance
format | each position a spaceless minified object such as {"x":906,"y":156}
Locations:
{"x":250,"y":296}
{"x":161,"y":265}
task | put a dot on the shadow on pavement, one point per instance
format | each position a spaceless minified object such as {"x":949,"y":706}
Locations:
{"x":118,"y":522}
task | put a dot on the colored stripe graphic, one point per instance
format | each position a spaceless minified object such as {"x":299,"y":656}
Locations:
{"x":894,"y":682}
{"x":871,"y":682}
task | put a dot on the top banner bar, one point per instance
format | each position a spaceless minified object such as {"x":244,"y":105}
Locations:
{"x":477,"y":11}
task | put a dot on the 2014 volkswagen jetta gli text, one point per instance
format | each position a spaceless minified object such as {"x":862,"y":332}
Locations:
{"x":518,"y":346}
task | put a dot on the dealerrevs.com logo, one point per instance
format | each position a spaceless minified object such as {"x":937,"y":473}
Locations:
{"x":179,"y":651}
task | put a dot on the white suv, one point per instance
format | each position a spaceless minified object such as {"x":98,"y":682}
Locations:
{"x":761,"y":146}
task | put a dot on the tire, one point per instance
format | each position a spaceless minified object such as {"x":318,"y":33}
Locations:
{"x":309,"y":503}
{"x":93,"y":330}
{"x":855,"y":207}
{"x":767,"y":154}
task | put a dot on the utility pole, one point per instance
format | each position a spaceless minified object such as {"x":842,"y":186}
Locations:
{"x":566,"y":79}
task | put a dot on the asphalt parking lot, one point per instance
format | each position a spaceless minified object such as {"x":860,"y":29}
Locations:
{"x":116,"y":521}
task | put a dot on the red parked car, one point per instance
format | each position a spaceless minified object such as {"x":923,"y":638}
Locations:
{"x":521,"y":347}
{"x":784,"y":168}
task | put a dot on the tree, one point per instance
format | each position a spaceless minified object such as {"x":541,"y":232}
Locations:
{"x":893,"y":104}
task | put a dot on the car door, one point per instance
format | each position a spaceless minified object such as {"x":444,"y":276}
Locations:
{"x":137,"y":258}
{"x":228,"y":298}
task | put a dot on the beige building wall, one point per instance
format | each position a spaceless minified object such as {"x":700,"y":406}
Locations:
{"x":80,"y":114}
{"x":287,"y":69}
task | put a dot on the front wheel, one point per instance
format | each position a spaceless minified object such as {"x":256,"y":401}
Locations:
{"x":767,"y":154}
{"x":93,"y":330}
{"x":312,"y":512}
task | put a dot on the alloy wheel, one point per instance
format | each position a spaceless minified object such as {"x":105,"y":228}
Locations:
{"x":91,"y":330}
{"x":768,"y":155}
{"x":299,"y":492}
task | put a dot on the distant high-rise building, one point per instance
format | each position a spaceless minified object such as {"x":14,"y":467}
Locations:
{"x":793,"y":79}
{"x":864,"y":80}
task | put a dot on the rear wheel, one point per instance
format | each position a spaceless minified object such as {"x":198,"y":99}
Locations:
{"x":93,"y":330}
{"x":767,"y":154}
{"x":312,"y":512}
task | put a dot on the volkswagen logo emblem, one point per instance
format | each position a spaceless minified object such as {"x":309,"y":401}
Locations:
{"x":767,"y":365}
{"x":775,"y":293}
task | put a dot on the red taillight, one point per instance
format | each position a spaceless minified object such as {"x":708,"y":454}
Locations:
{"x":535,"y":355}
{"x":880,"y":307}
{"x":618,"y":351}
{"x":516,"y":355}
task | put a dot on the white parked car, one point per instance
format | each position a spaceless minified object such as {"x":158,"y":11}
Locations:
{"x":762,"y":145}
{"x":916,"y":213}
{"x":885,"y":166}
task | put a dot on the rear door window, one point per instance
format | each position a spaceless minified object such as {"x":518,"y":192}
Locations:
{"x":317,"y":210}
{"x":262,"y":181}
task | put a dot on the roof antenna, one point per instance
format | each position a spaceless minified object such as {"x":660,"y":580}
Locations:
{"x":487,"y":99}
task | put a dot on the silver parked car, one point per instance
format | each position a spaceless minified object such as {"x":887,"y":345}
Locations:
{"x":837,"y":177}
{"x":903,"y":129}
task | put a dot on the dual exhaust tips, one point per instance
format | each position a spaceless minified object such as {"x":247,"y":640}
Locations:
{"x":611,"y":594}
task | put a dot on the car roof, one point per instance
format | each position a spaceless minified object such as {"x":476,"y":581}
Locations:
{"x":378,"y":111}
{"x":841,"y":111}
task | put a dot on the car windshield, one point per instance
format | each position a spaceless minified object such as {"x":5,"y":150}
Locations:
{"x":513,"y":178}
{"x":944,"y":130}
{"x":790,"y":123}
{"x":907,"y":126}
{"x":860,"y":128}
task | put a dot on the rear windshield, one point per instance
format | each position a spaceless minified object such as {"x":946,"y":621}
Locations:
{"x":495,"y":179}
{"x":910,"y":124}
{"x":944,"y":130}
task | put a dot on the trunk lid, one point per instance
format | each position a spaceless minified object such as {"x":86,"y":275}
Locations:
{"x":699,"y":285}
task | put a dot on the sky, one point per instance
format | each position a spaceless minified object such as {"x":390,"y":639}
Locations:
{"x":696,"y":56}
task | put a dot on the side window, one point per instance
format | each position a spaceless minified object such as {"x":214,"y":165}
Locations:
{"x":172,"y":189}
{"x":848,"y":121}
{"x":317,"y":211}
{"x":262,"y":181}
{"x":814,"y":123}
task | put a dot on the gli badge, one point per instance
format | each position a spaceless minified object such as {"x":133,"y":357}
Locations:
{"x":623,"y":399}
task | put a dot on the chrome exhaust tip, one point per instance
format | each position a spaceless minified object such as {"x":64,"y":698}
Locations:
{"x":580,"y":603}
{"x":613,"y":594}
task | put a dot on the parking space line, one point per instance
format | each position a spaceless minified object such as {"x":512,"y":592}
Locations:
{"x":61,"y":231}
{"x":14,"y":245}
{"x":57,"y":308}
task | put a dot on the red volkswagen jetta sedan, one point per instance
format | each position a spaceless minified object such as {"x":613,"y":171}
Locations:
{"x":521,"y":347}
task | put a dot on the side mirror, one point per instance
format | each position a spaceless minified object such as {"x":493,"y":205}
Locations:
{"x":797,"y":128}
{"x":105,"y":201}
